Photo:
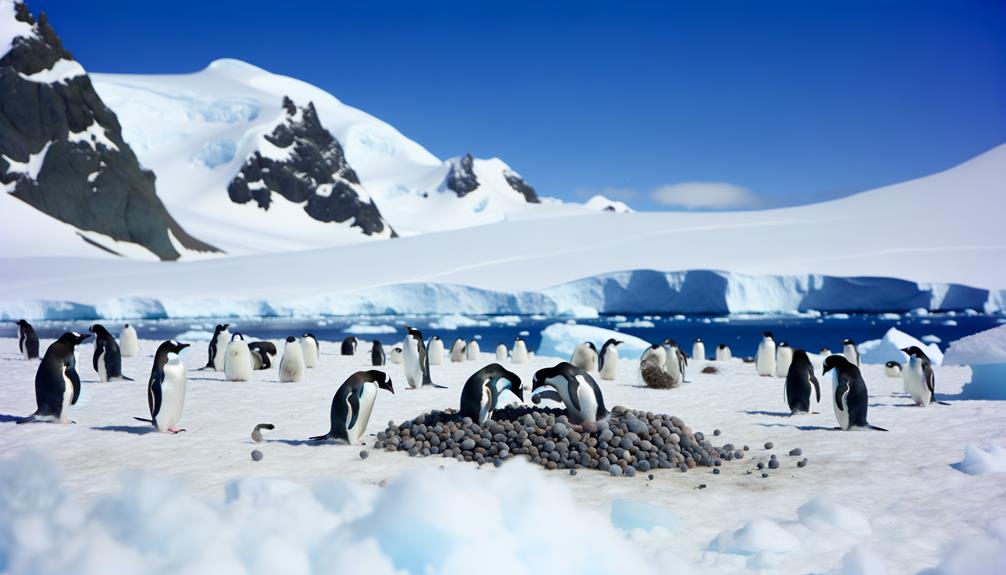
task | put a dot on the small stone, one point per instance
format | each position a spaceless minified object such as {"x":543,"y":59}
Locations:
{"x":560,"y":430}
{"x":256,"y":455}
{"x":764,"y":475}
{"x":716,"y":470}
{"x":795,"y":452}
{"x":572,"y":472}
{"x":802,"y":463}
{"x":615,"y":471}
{"x":760,"y":465}
{"x":769,"y":445}
{"x":716,"y":432}
{"x":629,"y":471}
{"x":650,"y":477}
{"x":746,"y":448}
{"x":468,"y":444}
{"x":773,"y":464}
{"x":364,"y":454}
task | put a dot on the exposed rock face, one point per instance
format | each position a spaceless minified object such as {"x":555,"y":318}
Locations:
{"x":461,"y":179}
{"x":61,"y":148}
{"x":301,"y":161}
{"x":523,"y":188}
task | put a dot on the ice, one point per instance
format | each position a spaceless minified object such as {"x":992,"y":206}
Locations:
{"x":639,"y":323}
{"x":981,"y":554}
{"x":982,"y":460}
{"x":216,"y":152}
{"x":757,"y":536}
{"x":510,"y":320}
{"x":630,"y":514}
{"x":930,"y":338}
{"x":861,"y":561}
{"x":454,"y":321}
{"x":890,"y":316}
{"x":367,"y":329}
{"x":559,"y":339}
{"x":987,"y":347}
{"x":192,"y":335}
{"x":888,"y":348}
{"x":826,"y":513}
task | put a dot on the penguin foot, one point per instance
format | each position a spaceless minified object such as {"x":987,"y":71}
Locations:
{"x":174,"y":430}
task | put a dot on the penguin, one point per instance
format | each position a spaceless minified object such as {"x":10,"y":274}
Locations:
{"x":458,"y":350}
{"x":723,"y":352}
{"x":607,"y":359}
{"x":501,"y":352}
{"x":585,"y":356}
{"x":480,"y":396}
{"x":106,"y":359}
{"x":653,"y":368}
{"x":129,"y":344}
{"x":396,"y":355}
{"x":919,"y":378}
{"x":215,"y":353}
{"x":850,"y":351}
{"x":799,"y":379}
{"x":825,"y":352}
{"x":311,"y":349}
{"x":675,"y":355}
{"x":435,"y":349}
{"x":850,"y":397}
{"x":519,"y":352}
{"x":765,"y":358}
{"x":893,"y":369}
{"x":166,"y":389}
{"x":783,"y":357}
{"x":27,"y":340}
{"x":263,"y":353}
{"x":655,"y":354}
{"x":699,"y":349}
{"x":376,"y":353}
{"x":352,"y":405}
{"x":349,"y":345}
{"x":291,"y":366}
{"x":472,"y":350}
{"x":237,"y":359}
{"x":574,"y":387}
{"x":57,"y":385}
{"x":416,"y":360}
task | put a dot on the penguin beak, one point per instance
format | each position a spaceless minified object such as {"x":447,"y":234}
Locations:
{"x":182,"y":346}
{"x":387,"y":385}
{"x":826,"y":369}
{"x":82,"y":338}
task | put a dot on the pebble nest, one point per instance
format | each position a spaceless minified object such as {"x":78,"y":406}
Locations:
{"x":628,"y":441}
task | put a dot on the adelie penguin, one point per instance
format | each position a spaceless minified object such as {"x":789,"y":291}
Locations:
{"x":291,"y":366}
{"x":893,"y":369}
{"x":57,"y":385}
{"x":416,"y":360}
{"x":349,"y":345}
{"x":765,"y":358}
{"x":850,"y":351}
{"x":238,"y":359}
{"x":458,"y":350}
{"x":166,"y":388}
{"x":919,"y":378}
{"x":472,"y":350}
{"x":501,"y":352}
{"x":481,"y":393}
{"x":215,"y":351}
{"x":519,"y":352}
{"x":107,"y":361}
{"x":723,"y":352}
{"x":607,"y":359}
{"x":699,"y":349}
{"x":312,"y":350}
{"x":783,"y":357}
{"x":352,"y":405}
{"x":676,"y":362}
{"x":435,"y":349}
{"x":27,"y":340}
{"x":849,"y":396}
{"x":799,"y":380}
{"x":263,"y":353}
{"x":376,"y":353}
{"x":572,"y":386}
{"x":129,"y":343}
{"x":585,"y":356}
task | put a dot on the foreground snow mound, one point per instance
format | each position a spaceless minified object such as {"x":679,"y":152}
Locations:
{"x":981,"y":460}
{"x":822,"y":513}
{"x":888,"y":348}
{"x":987,"y":347}
{"x":758,"y":536}
{"x":984,"y":554}
{"x":861,"y":561}
{"x":559,"y":339}
{"x":423,"y":522}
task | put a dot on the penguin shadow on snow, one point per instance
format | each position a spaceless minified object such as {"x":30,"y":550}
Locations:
{"x":802,"y":427}
{"x":771,"y":413}
{"x":131,"y":429}
{"x":310,"y":442}
{"x":4,"y":418}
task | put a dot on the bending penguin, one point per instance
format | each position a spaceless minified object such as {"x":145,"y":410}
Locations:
{"x":309,"y":345}
{"x":263,"y":353}
{"x":435,"y":348}
{"x":416,"y":360}
{"x":129,"y":343}
{"x":57,"y":385}
{"x":656,"y":354}
{"x":519,"y":352}
{"x":799,"y":379}
{"x":291,"y":366}
{"x":458,"y":350}
{"x":765,"y":358}
{"x":723,"y":352}
{"x":376,"y":353}
{"x":918,"y":376}
{"x":501,"y":352}
{"x":850,"y":351}
{"x":166,"y":389}
{"x":106,"y":359}
{"x":27,"y":340}
{"x":349,"y":345}
{"x":699,"y":349}
{"x":215,"y":353}
{"x":850,"y":397}
{"x":238,"y":359}
{"x":893,"y":369}
{"x":608,"y":359}
{"x":585,"y":356}
{"x":352,"y":405}
{"x":480,"y":396}
{"x":783,"y":357}
{"x":574,"y":387}
{"x":472,"y":350}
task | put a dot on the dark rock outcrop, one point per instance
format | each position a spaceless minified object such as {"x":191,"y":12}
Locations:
{"x":461,"y":178}
{"x":520,"y":186}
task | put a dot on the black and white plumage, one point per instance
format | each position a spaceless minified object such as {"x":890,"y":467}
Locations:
{"x":376,"y":353}
{"x":352,"y":405}
{"x":783,"y":357}
{"x":27,"y":340}
{"x":699,"y":349}
{"x":850,"y":398}
{"x":129,"y":342}
{"x":238,"y":362}
{"x":850,"y":351}
{"x":396,"y":355}
{"x":166,"y":388}
{"x":607,"y":359}
{"x":799,"y":380}
{"x":572,"y":386}
{"x":584,"y":356}
{"x":349,"y":345}
{"x":291,"y":365}
{"x":215,"y":351}
{"x":107,"y":360}
{"x":723,"y":352}
{"x":416,"y":360}
{"x":263,"y":353}
{"x":893,"y":369}
{"x":435,"y":350}
{"x":311,"y":349}
{"x":481,"y":393}
{"x":57,"y":384}
{"x":765,"y":357}
{"x":519,"y":352}
{"x":919,"y":377}
{"x":458,"y":350}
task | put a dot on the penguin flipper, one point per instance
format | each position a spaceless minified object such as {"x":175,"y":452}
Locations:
{"x":549,"y":394}
{"x":841,"y":390}
{"x":71,"y":373}
{"x":574,"y":397}
{"x":817,"y":386}
{"x":353,"y":402}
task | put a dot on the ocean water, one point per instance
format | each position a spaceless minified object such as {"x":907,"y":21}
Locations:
{"x":741,"y":333}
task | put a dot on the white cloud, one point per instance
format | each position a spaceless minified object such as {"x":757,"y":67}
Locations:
{"x":708,"y":195}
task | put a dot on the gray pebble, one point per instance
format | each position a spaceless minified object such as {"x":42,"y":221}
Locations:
{"x":364,"y":454}
{"x":716,"y":432}
{"x":468,"y":444}
{"x":769,"y":445}
{"x":256,"y":455}
{"x":764,"y":475}
{"x":773,"y":464}
{"x":796,"y":452}
{"x":716,"y":470}
{"x":615,"y":471}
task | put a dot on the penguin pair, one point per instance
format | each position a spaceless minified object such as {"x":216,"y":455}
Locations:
{"x":107,"y":359}
{"x":352,"y":405}
{"x":481,"y":393}
{"x":416,"y":360}
{"x":574,"y":387}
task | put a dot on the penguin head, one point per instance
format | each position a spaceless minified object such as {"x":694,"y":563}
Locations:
{"x":848,"y":342}
{"x":23,"y":323}
{"x":413,"y":332}
{"x":98,"y":329}
{"x":768,"y":335}
{"x":237,"y":336}
{"x":590,"y":344}
{"x":72,"y":338}
{"x":783,"y":344}
{"x":893,"y":363}
{"x":382,"y":380}
{"x":698,"y":340}
{"x":721,"y":346}
{"x":125,"y":325}
{"x":291,"y":339}
{"x":436,"y":337}
{"x":914,"y":351}
{"x":177,"y":346}
{"x":835,"y":362}
{"x":542,"y":376}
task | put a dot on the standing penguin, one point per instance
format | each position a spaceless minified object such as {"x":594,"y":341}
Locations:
{"x":129,"y":344}
{"x":215,"y":352}
{"x":765,"y":358}
{"x":501,"y":352}
{"x":850,"y":351}
{"x":799,"y":379}
{"x":416,"y":361}
{"x":893,"y":369}
{"x":57,"y":385}
{"x":850,"y":397}
{"x":519,"y":352}
{"x":677,"y":355}
{"x":723,"y":352}
{"x":376,"y":353}
{"x":166,"y":389}
{"x":349,"y":345}
{"x":263,"y":353}
{"x":699,"y":349}
{"x":919,"y":378}
{"x":472,"y":350}
{"x":574,"y":387}
{"x":435,"y":349}
{"x":352,"y":405}
{"x":458,"y":350}
{"x":27,"y":340}
{"x":311,"y":349}
{"x":608,"y":359}
{"x":480,"y":396}
{"x":237,"y":359}
{"x":585,"y":356}
{"x":783,"y":357}
{"x":291,"y":365}
{"x":106,"y":359}
{"x":396,"y":355}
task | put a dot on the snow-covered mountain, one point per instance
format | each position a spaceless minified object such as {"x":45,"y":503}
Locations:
{"x":62,"y":153}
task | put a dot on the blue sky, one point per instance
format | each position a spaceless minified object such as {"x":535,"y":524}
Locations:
{"x":776,"y":103}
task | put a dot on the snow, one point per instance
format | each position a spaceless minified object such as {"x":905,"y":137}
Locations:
{"x":861,"y":561}
{"x":980,"y":554}
{"x":981,"y":460}
{"x":888,"y":348}
{"x":559,"y":339}
{"x":757,"y":536}
{"x":987,"y":347}
{"x":93,"y":135}
{"x":601,"y":203}
{"x":61,"y":71}
{"x":10,"y":27}
{"x":29,"y":168}
{"x":629,"y":515}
